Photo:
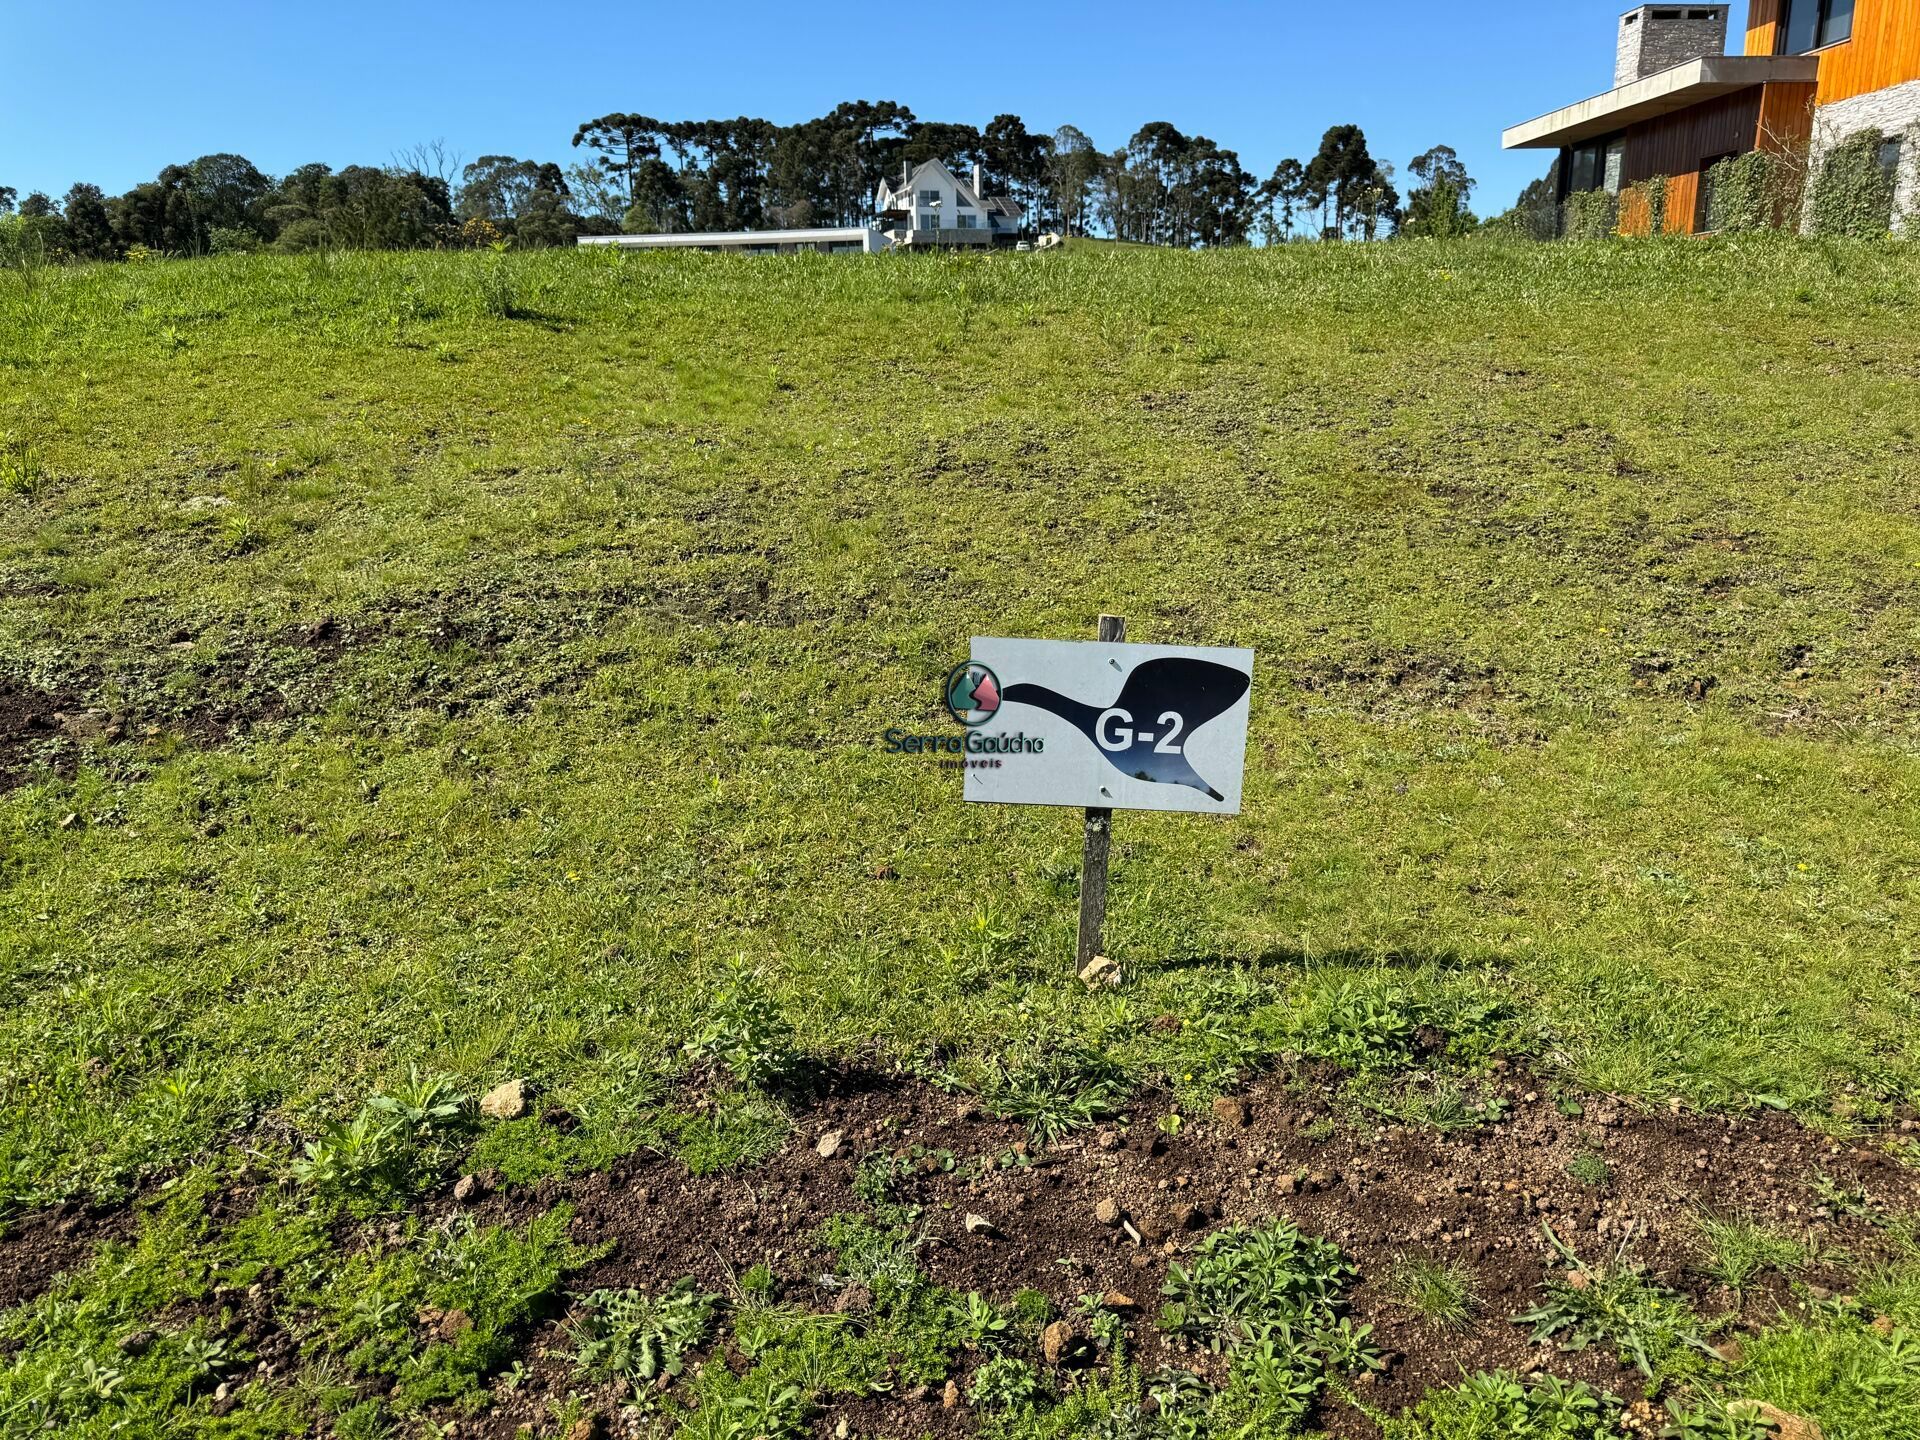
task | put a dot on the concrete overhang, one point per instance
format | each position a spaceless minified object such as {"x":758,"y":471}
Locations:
{"x":1662,"y":94}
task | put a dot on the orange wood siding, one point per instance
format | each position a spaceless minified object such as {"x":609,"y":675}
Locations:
{"x":1769,"y":117}
{"x":1884,"y":50}
{"x":1763,"y":26}
{"x":1786,"y":118}
{"x":1683,"y":200}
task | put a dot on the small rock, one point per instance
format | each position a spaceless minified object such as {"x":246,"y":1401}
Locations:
{"x":1100,"y":971}
{"x":138,"y":1343}
{"x":1883,"y":1324}
{"x":506,"y":1101}
{"x":1108,"y":1140}
{"x":980,"y":1225}
{"x":1185,"y":1217}
{"x":1119,"y":1302}
{"x":1061,"y":1343}
{"x":1288,"y":1183}
{"x":84,"y":724}
{"x":591,"y":1426}
{"x":469,"y":1189}
{"x":1732,"y":1353}
{"x":828,"y":1145}
{"x":950,"y":1397}
{"x":1231,"y":1110}
{"x":1578,"y":1280}
{"x":1108,"y":1212}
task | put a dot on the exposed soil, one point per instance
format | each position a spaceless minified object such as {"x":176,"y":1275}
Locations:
{"x":207,"y":696}
{"x":37,"y":1250}
{"x":34,"y":731}
{"x":1478,"y":1197}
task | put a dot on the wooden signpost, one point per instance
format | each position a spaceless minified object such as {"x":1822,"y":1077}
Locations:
{"x":1105,"y":726}
{"x":1099,"y":841}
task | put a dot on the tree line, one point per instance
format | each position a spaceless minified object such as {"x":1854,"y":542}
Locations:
{"x":637,"y":174}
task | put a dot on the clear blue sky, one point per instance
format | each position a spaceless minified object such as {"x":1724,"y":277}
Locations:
{"x":109,"y":92}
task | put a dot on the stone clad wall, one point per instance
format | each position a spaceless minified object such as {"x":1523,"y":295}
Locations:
{"x":1649,"y":45}
{"x":1894,"y":111}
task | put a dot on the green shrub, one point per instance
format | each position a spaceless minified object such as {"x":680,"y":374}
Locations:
{"x":1753,"y":192}
{"x":1853,"y":192}
{"x":1590,"y":215}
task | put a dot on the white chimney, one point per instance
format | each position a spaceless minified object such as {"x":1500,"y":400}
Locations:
{"x":979,"y":187}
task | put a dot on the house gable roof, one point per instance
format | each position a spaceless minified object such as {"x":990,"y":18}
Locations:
{"x":890,"y":191}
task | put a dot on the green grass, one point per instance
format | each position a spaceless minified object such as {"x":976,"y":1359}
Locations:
{"x":637,"y":585}
{"x":1584,"y":586}
{"x":1442,"y":1293}
{"x":1735,"y":1250}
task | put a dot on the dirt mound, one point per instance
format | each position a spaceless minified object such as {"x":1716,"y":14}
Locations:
{"x":1106,"y":1213}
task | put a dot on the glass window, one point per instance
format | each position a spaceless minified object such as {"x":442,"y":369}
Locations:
{"x":1616,"y":166}
{"x":1812,"y":24}
{"x":929,"y":197}
{"x":1583,"y":169}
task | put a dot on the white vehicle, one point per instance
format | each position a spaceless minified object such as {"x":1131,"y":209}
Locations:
{"x":1023,"y":246}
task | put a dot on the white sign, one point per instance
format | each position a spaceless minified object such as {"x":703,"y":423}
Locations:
{"x":1116,"y":727}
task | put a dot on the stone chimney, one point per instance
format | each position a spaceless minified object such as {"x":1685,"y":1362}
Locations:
{"x":1658,"y":37}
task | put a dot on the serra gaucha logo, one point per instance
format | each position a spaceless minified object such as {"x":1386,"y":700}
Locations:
{"x":972,"y":694}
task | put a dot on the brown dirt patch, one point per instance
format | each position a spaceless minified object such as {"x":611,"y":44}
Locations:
{"x":1476,"y":1197}
{"x":38,"y":1249}
{"x":33,"y":731}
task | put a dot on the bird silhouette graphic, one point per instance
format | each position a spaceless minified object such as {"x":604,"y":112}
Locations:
{"x":1144,"y":732}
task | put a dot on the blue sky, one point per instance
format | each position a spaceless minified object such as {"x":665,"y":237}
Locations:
{"x":112,"y":91}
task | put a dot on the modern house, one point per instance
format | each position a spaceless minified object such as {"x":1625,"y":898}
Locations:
{"x":1814,"y":73}
{"x":931,"y":206}
{"x":857,"y":241}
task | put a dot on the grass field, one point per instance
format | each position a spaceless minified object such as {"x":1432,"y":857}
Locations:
{"x":491,"y":654}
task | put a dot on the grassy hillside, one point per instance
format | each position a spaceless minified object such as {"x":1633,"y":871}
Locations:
{"x":475,"y":665}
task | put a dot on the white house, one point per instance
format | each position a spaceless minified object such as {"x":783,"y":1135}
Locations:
{"x":931,"y":206}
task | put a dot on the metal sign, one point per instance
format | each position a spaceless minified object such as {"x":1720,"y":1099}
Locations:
{"x":1104,"y":726}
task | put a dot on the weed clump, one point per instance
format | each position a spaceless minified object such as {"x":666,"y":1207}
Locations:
{"x":1439,"y":1292}
{"x":1616,"y":1304}
{"x":385,"y":1153}
{"x":1501,"y":1407}
{"x":628,"y":1335}
{"x":747,"y":1034}
{"x":1058,"y":1092}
